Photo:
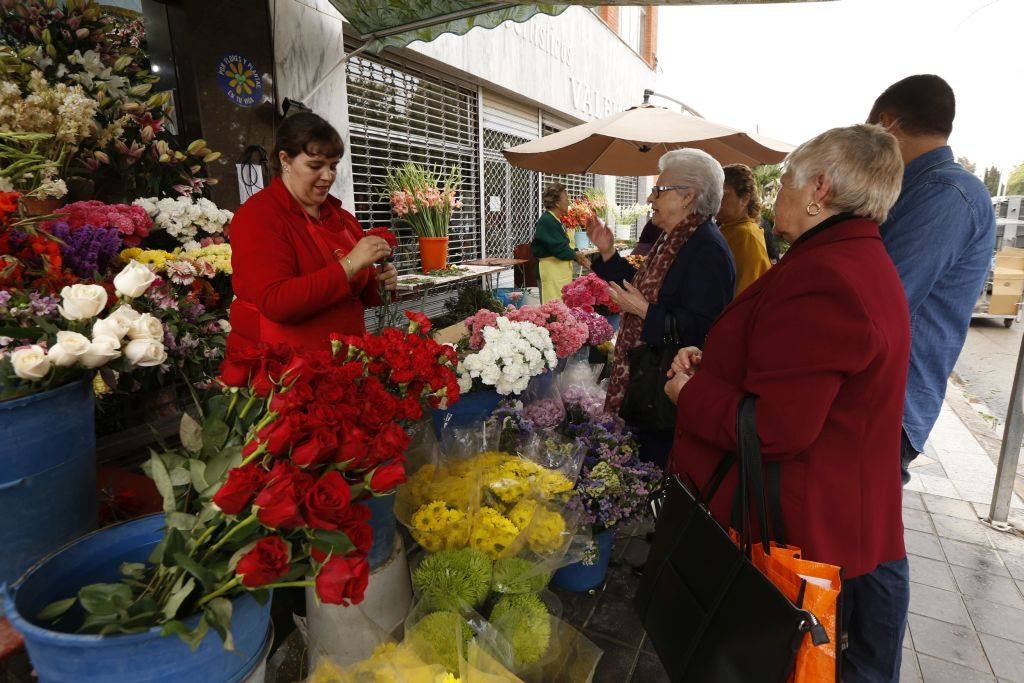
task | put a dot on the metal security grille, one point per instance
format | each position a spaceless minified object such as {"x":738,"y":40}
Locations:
{"x":399,"y":113}
{"x":511,"y":197}
{"x":626,"y":189}
{"x":575,"y":183}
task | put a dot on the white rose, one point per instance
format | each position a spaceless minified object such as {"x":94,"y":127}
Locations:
{"x":145,"y":352}
{"x":81,"y":302}
{"x":225,"y":326}
{"x":101,"y":351}
{"x":69,"y":348}
{"x":133,"y":280}
{"x":126,"y":313}
{"x":110,"y":327}
{"x":31,"y":363}
{"x":146,"y":327}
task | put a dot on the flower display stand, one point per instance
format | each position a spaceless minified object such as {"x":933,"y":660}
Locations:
{"x":343,"y":633}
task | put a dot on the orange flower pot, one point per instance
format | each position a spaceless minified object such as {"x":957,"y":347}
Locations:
{"x":434,"y":253}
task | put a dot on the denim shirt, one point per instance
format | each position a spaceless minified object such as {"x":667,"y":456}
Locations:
{"x":940,"y":235}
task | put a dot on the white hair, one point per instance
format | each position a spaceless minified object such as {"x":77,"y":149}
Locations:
{"x":701,"y":172}
{"x":863,"y":163}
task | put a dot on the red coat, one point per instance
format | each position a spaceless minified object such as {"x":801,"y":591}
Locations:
{"x":822,"y":339}
{"x":290,"y":286}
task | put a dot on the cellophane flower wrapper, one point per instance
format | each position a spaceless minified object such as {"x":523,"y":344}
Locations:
{"x":461,"y":641}
{"x":580,"y":379}
{"x":542,"y":402}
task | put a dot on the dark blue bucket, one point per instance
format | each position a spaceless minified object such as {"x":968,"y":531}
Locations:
{"x":141,"y":657}
{"x":471,"y":409}
{"x":614,"y":319}
{"x":383,"y":524}
{"x":579,"y":577}
{"x":47,"y":474}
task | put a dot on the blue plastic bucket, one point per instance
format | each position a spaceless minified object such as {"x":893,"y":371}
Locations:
{"x":471,"y":409}
{"x":582,"y":241}
{"x":503,"y":294}
{"x":579,"y":577}
{"x":141,"y":657}
{"x":383,"y":524}
{"x":47,"y":474}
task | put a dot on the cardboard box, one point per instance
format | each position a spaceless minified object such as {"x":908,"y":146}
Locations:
{"x":451,"y":334}
{"x":1010,"y":258}
{"x":1003,"y":304}
{"x":1007,"y":282}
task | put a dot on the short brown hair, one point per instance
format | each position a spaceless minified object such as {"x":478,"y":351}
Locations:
{"x":922,"y":104}
{"x":305,"y":132}
{"x":742,"y":181}
{"x":551,"y":195}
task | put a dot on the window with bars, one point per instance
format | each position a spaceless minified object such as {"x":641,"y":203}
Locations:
{"x":626,"y":189}
{"x":511,"y":197}
{"x":575,"y":183}
{"x":400,"y":113}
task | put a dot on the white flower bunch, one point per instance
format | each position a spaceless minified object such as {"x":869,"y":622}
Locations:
{"x":512,"y":353}
{"x":186,"y":220}
{"x":139,"y":337}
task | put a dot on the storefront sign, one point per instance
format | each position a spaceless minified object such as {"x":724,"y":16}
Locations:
{"x":240,"y":80}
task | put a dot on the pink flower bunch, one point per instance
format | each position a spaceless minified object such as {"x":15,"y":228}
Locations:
{"x":567,"y":333}
{"x":403,"y":203}
{"x":599,"y":329}
{"x":132,"y":222}
{"x":476,"y":324}
{"x":545,"y":412}
{"x":589,"y":402}
{"x":587,"y":292}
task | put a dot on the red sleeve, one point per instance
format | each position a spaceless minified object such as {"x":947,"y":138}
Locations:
{"x":266,"y":272}
{"x":370,"y":295}
{"x":810,"y":337}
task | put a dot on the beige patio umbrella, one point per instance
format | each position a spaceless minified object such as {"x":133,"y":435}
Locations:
{"x":631,"y":142}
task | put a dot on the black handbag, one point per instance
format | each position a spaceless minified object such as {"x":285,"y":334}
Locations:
{"x":644,"y":404}
{"x":711,"y":615}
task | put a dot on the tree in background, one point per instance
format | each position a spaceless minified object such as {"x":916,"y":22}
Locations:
{"x":967,"y":164}
{"x":992,"y":180}
{"x":1015,"y":183}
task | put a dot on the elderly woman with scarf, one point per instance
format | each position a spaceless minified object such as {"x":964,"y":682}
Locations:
{"x":689,"y":273}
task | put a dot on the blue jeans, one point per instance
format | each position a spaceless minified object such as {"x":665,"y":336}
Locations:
{"x":874,"y":620}
{"x":907,"y":455}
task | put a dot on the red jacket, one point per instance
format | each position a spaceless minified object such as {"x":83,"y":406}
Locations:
{"x":290,"y":286}
{"x":822,"y":339}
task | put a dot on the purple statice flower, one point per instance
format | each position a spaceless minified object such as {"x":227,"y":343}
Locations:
{"x":589,"y":402}
{"x":545,"y":412}
{"x":87,"y":251}
{"x":43,"y":305}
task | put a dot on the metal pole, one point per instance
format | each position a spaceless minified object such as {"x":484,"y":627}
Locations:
{"x":1009,"y":452}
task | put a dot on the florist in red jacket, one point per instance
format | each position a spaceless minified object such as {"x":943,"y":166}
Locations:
{"x":302,"y":267}
{"x":822,"y":341}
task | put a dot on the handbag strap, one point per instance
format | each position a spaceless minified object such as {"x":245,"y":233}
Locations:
{"x":751,"y":476}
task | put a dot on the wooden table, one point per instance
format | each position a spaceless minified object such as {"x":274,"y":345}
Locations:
{"x":417,"y":283}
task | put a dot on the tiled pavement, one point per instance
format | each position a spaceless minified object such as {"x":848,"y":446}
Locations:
{"x":967,"y":580}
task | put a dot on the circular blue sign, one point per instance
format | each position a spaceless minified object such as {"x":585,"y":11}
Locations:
{"x":239,"y":79}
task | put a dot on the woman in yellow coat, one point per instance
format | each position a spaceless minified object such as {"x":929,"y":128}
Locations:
{"x":738,"y":221}
{"x":553,"y":245}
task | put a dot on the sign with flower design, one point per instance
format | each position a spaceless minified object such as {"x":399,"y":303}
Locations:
{"x":240,"y":80}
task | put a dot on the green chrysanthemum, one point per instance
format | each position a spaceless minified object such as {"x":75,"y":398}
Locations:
{"x":523,"y":620}
{"x":515,"y":575}
{"x":435,"y":638}
{"x":453,"y":579}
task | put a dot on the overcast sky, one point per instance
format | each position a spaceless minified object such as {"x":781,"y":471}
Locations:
{"x":793,"y":71}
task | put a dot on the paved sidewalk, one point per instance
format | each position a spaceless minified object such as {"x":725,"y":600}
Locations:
{"x":967,"y":590}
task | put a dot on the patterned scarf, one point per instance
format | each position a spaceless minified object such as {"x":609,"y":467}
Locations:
{"x":648,"y":280}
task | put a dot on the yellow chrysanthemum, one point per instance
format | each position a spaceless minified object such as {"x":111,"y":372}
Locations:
{"x":437,"y":527}
{"x":545,"y":533}
{"x":492,"y":533}
{"x":522,"y":513}
{"x":554,"y":484}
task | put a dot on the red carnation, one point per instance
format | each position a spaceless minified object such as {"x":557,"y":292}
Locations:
{"x":386,"y":478}
{"x":239,"y":489}
{"x":327,"y":501}
{"x":342,"y":581}
{"x":268,"y":561}
{"x":419,"y":322}
{"x":385,"y":234}
{"x":279,"y":504}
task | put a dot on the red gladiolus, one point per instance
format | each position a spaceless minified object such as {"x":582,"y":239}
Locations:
{"x":342,"y":580}
{"x":268,"y":561}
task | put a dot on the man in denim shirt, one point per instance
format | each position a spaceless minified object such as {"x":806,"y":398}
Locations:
{"x":940,"y":234}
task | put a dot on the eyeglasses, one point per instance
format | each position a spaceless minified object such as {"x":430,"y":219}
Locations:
{"x":658,"y":189}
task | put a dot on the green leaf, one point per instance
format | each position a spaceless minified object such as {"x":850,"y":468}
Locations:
{"x":55,"y":609}
{"x":195,"y":569}
{"x":182,"y":521}
{"x":173,"y":542}
{"x":217,"y":407}
{"x":197,"y":468}
{"x":238,"y":554}
{"x":218,"y":613}
{"x":105,"y":598}
{"x":177,"y":597}
{"x":133,"y":570}
{"x":220,"y":463}
{"x":215,"y":433}
{"x":180,"y":476}
{"x":191,"y":433}
{"x":335,"y":542}
{"x":192,"y":638}
{"x":162,"y":479}
{"x":95,"y":622}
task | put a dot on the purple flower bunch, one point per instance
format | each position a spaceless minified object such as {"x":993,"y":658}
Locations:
{"x":599,"y":330}
{"x":587,"y":401}
{"x":86,"y":250}
{"x":545,"y":412}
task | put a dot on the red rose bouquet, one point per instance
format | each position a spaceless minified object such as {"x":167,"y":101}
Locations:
{"x":264,"y":493}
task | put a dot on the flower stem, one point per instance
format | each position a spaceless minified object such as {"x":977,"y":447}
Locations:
{"x":248,"y":521}
{"x":291,"y":584}
{"x":245,"y":409}
{"x":220,"y":591}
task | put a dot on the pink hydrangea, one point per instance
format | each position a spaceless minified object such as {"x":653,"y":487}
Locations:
{"x":132,"y":222}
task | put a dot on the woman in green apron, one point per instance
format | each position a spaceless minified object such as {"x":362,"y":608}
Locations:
{"x":552,"y":245}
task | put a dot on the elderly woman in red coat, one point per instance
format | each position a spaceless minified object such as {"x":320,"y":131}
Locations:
{"x":822,"y":340}
{"x":302,"y":267}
